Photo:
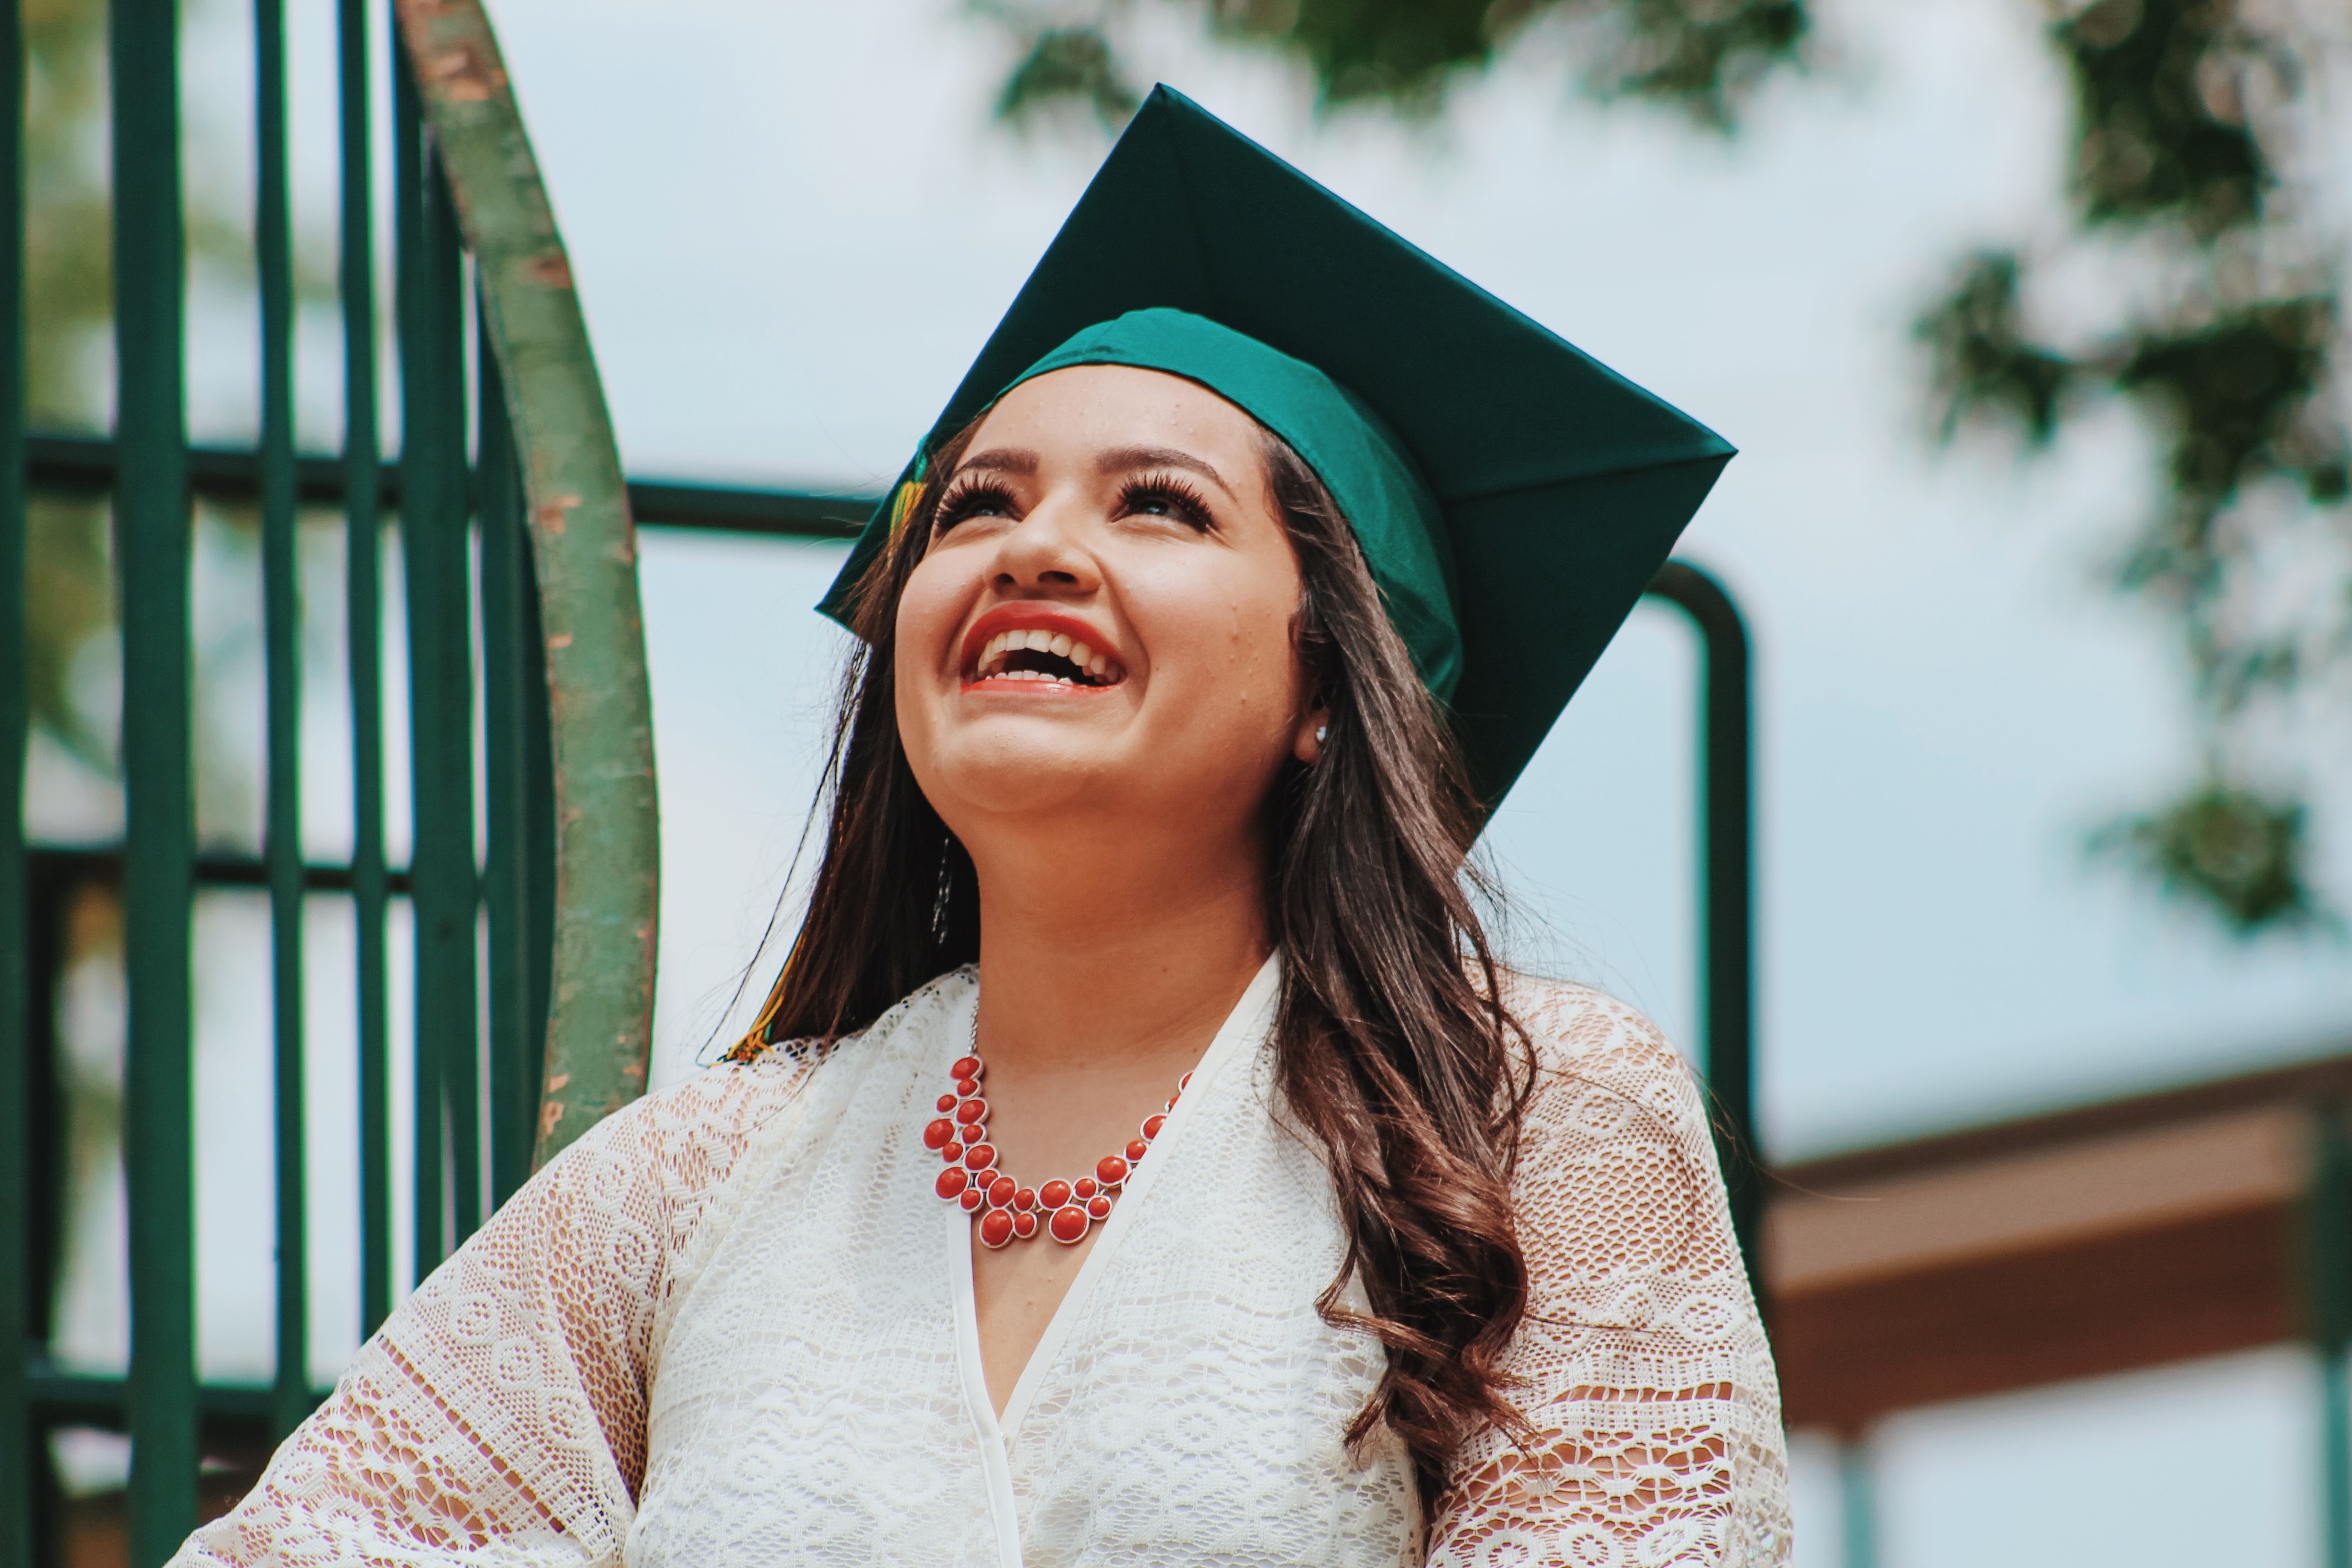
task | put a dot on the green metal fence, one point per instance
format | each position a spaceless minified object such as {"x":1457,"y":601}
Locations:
{"x":503,"y":437}
{"x":458,"y":494}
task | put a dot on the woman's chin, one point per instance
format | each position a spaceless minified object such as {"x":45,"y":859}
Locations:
{"x":1004,"y":777}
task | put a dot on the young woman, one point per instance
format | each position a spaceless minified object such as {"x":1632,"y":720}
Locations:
{"x":1140,"y":1158}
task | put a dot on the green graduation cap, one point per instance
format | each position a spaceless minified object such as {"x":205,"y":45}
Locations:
{"x":1513,"y":498}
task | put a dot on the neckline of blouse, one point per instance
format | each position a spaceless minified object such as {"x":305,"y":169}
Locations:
{"x":1247,"y":1023}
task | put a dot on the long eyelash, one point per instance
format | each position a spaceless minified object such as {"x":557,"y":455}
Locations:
{"x":1189,"y":502}
{"x":960,"y":501}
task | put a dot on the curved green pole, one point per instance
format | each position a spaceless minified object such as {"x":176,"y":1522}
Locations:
{"x":607,"y":848}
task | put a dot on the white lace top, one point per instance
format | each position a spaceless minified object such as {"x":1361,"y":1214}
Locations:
{"x":734,"y":1325}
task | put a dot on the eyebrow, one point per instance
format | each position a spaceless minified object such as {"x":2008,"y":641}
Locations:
{"x":1126,"y":459}
{"x":1002,"y":460}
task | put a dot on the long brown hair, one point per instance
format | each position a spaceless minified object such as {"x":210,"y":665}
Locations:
{"x":1394,"y":1051}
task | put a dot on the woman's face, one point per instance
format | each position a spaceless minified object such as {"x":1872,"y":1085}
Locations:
{"x":1101,"y":628}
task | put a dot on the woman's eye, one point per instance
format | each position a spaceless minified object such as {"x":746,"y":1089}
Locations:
{"x":977,"y":502}
{"x":1162,"y":499}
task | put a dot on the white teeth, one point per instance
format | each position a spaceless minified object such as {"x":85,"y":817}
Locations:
{"x":990,"y":665}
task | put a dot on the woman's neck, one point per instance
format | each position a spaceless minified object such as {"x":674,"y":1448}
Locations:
{"x":1127,"y":953}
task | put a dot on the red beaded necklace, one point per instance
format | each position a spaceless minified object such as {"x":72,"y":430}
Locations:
{"x":1008,"y":1211}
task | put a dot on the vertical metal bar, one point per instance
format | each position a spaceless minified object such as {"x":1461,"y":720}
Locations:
{"x":2327,"y":1288}
{"x":506,"y":880}
{"x":1727,"y":940}
{"x":17,"y":1445}
{"x":151,"y":548}
{"x":415,"y":505}
{"x":434,"y":535}
{"x":601,"y":1021}
{"x":2335,"y":1453}
{"x":362,"y":457}
{"x":1857,"y":1503}
{"x":281,"y":613}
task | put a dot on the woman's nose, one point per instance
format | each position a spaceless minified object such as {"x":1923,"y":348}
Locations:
{"x":1043,"y":550}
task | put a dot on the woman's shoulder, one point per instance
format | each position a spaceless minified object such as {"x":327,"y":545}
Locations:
{"x":697,"y":1127}
{"x":1578,"y":1027}
{"x":684,"y":1139}
{"x":1593,"y":1048}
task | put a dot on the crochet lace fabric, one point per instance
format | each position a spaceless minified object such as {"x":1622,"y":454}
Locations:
{"x":500,"y":1415}
{"x":1648,"y":1378}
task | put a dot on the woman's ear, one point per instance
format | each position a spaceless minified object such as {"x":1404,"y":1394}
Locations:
{"x":1313,"y":724}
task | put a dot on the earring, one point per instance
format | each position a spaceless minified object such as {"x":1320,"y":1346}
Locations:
{"x":1321,"y":731}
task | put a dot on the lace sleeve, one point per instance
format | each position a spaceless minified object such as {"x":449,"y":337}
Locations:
{"x":499,"y":1414}
{"x":1647,"y":1377}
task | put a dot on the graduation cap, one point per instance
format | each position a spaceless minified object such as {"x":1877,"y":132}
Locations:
{"x":1513,"y":497}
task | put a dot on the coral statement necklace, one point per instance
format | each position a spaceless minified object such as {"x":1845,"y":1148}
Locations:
{"x":1008,"y":1211}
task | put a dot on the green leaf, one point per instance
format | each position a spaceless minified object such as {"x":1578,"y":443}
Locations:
{"x":1068,"y":66}
{"x":1982,"y":369}
{"x":2160,"y":130}
{"x":2236,"y":852}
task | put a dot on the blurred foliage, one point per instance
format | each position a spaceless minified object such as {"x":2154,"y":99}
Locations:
{"x":2225,"y":338}
{"x":2161,"y":129}
{"x":67,"y":250}
{"x":2238,"y":852}
{"x":69,"y":596}
{"x":1702,"y":57}
{"x":1984,"y":365}
{"x":1068,"y":66}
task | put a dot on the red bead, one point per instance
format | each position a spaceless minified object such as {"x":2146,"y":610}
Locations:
{"x":1099,"y":1207}
{"x":1025,"y":1199}
{"x":951,"y":1180}
{"x":1068,"y":1225}
{"x":952,"y":1151}
{"x":1135,"y":1150}
{"x":1110,"y":1171}
{"x":966,"y":1088}
{"x":966,"y":1066}
{"x":1170,"y":1105}
{"x":1183,"y":1083}
{"x":995,"y":1228}
{"x":971,"y":1110}
{"x":1053,"y":1195}
{"x":1083,"y":1188}
{"x":1024,"y":1223}
{"x":1152,"y":1124}
{"x":979,"y":1156}
{"x":947,"y":1103}
{"x":1001,"y":1191}
{"x":936,"y":1134}
{"x":972,"y":1199}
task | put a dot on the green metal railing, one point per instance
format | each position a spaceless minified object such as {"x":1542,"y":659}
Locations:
{"x":525,"y":450}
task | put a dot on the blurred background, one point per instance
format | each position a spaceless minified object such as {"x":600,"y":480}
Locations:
{"x":2027,"y":319}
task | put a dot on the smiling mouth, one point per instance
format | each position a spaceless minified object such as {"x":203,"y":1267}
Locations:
{"x":1036,"y":655}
